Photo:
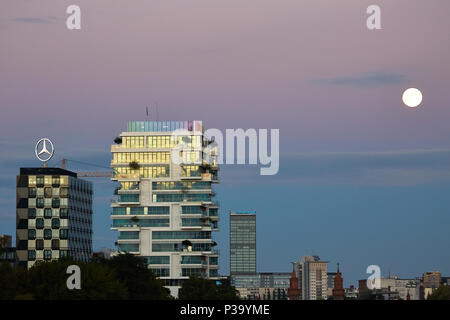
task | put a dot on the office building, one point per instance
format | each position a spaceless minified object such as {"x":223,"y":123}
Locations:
{"x":262,"y":286}
{"x":163,"y":208}
{"x":242,"y":242}
{"x":391,"y":288}
{"x":53,"y":215}
{"x":312,"y":277}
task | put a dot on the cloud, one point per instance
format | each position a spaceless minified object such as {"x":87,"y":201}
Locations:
{"x":34,"y":20}
{"x":368,"y":79}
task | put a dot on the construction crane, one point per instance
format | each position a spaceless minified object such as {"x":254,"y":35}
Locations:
{"x":88,"y":174}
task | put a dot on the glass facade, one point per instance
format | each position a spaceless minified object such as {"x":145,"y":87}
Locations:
{"x":56,"y":209}
{"x":156,"y":196}
{"x":242,"y":242}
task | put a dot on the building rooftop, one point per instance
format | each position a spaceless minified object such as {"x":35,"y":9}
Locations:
{"x":164,"y":126}
{"x":46,"y":171}
{"x":243,"y":212}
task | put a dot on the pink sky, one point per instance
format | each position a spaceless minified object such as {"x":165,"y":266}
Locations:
{"x":246,"y":63}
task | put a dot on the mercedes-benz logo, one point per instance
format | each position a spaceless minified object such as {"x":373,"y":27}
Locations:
{"x":46,"y":149}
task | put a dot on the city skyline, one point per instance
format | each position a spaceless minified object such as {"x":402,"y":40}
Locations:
{"x":371,"y":173}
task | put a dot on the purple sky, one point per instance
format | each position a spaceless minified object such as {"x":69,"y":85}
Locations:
{"x":310,"y":68}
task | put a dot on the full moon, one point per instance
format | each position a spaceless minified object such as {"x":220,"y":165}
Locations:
{"x":412,"y":97}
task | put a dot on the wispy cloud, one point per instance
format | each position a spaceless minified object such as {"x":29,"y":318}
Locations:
{"x":365,"y":80}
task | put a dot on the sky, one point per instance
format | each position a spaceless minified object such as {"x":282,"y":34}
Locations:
{"x":363,"y":179}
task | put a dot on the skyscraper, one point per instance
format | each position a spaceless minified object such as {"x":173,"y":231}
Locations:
{"x":242,"y":242}
{"x":54,"y":216}
{"x":312,"y":274}
{"x":164,"y":209}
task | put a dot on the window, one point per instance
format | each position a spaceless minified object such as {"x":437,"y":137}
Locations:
{"x":63,"y":213}
{"x":55,"y":203}
{"x":55,"y":181}
{"x":63,"y":233}
{"x":190,"y":222}
{"x":31,"y":234}
{"x":213,"y":261}
{"x":31,"y":213}
{"x":140,"y":222}
{"x":31,"y":180}
{"x":129,"y":235}
{"x":161,"y":272}
{"x":55,"y":223}
{"x":48,"y":192}
{"x":47,"y":234}
{"x":40,"y":181}
{"x":119,"y":211}
{"x":158,"y":210}
{"x":192,"y":260}
{"x":63,"y":192}
{"x":55,"y":244}
{"x":213,"y":273}
{"x":32,"y":255}
{"x":40,"y":202}
{"x":39,"y":223}
{"x":47,"y":213}
{"x":129,"y":198}
{"x":187,"y":272}
{"x":129,"y":247}
{"x":158,"y":260}
{"x":182,"y":235}
{"x":191,"y":210}
{"x":47,"y":254}
{"x":39,"y":244}
{"x":31,"y":192}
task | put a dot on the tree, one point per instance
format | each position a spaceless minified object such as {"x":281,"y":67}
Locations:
{"x":47,"y":281}
{"x":441,"y":293}
{"x":196,"y":288}
{"x":8,"y":282}
{"x":134,"y":165}
{"x":132,"y":271}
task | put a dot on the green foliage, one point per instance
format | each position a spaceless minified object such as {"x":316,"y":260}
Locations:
{"x":8,"y":282}
{"x":140,"y":281}
{"x":441,"y":293}
{"x":122,"y":277}
{"x":203,"y":289}
{"x":134,"y":165}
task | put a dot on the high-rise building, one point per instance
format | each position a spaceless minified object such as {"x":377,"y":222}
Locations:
{"x":54,"y":216}
{"x":164,"y":208}
{"x":242,"y":242}
{"x":312,"y":277}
